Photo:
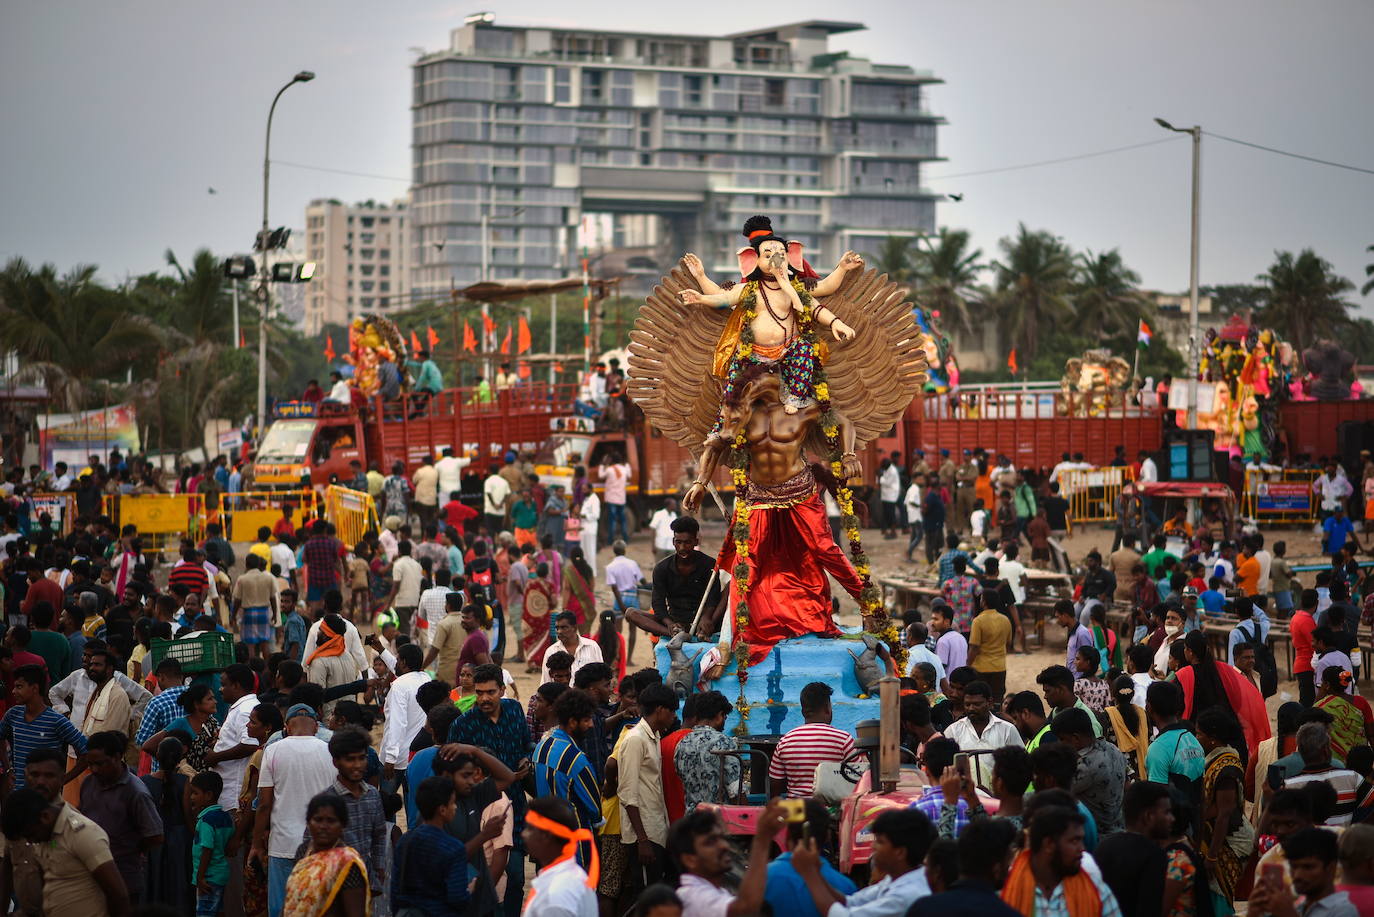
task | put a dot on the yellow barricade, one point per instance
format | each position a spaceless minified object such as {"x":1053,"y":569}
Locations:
{"x":245,"y":512}
{"x":1282,"y":496}
{"x":160,"y":519}
{"x":1092,"y":492}
{"x":352,"y":513}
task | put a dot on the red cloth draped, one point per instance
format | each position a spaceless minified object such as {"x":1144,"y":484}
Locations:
{"x":1246,"y":701}
{"x":790,"y":595}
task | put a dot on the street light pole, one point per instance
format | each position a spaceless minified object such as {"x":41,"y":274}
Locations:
{"x":1194,"y":336}
{"x":264,"y":294}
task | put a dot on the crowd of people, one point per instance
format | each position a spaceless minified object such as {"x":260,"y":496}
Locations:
{"x":367,"y":750}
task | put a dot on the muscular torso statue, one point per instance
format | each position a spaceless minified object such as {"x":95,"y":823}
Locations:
{"x":777,"y":440}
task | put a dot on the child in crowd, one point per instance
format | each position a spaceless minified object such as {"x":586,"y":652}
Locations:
{"x":214,"y":827}
{"x":1090,"y":687}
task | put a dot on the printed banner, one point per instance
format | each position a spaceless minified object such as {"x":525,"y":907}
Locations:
{"x":1283,"y":497}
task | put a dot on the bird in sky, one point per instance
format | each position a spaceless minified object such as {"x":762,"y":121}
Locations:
{"x":212,"y":191}
{"x":954,"y":197}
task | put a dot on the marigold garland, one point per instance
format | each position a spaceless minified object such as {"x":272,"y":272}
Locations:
{"x":870,"y":601}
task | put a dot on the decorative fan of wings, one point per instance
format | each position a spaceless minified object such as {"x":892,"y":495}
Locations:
{"x":872,"y":378}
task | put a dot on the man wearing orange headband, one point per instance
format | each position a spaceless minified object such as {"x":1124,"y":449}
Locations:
{"x":562,"y":888}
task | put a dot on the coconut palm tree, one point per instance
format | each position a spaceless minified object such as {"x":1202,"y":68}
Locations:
{"x":894,"y":259}
{"x":1106,"y":295}
{"x":1305,"y":298}
{"x":68,"y":330}
{"x":1032,"y":286}
{"x":946,"y":275}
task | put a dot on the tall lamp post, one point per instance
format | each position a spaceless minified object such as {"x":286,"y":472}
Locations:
{"x":1194,"y":362}
{"x":265,"y":275}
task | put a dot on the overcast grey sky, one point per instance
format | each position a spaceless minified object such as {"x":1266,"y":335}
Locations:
{"x":118,"y":116}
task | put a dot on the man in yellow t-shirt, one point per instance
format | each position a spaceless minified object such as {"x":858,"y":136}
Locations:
{"x":987,"y":644}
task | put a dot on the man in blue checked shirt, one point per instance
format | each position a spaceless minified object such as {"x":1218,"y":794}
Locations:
{"x":163,"y":708}
{"x":562,"y":770}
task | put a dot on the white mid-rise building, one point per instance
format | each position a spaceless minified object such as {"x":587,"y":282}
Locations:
{"x":361,"y":254}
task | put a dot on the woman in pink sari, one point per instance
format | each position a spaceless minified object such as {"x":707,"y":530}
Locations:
{"x":1208,"y":683}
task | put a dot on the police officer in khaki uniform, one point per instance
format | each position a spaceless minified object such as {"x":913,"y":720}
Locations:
{"x":965,"y":476}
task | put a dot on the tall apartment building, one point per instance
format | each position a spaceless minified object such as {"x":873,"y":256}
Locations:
{"x":535,"y":127}
{"x":361,"y":252}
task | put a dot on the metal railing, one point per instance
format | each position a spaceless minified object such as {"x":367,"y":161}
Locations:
{"x":1092,"y":492}
{"x":1280,"y":497}
{"x":352,"y":513}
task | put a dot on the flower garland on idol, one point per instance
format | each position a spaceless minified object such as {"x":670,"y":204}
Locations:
{"x":870,"y":601}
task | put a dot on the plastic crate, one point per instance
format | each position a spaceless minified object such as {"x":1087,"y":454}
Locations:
{"x":211,"y":651}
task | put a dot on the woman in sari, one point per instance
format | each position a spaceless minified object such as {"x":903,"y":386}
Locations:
{"x":1347,"y":723}
{"x":329,"y":880}
{"x":169,"y":863}
{"x":1208,"y":683}
{"x":1130,"y":726}
{"x":1226,"y":839}
{"x":541,"y":602}
{"x":1104,"y":638}
{"x":465,"y":695}
{"x":579,"y":590}
{"x":198,"y":722}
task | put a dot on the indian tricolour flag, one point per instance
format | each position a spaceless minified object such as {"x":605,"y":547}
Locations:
{"x":1143,"y":335}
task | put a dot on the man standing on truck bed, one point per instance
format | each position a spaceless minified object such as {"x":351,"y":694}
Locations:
{"x":615,"y":474}
{"x":426,"y":483}
{"x":450,"y":469}
{"x":428,"y":381}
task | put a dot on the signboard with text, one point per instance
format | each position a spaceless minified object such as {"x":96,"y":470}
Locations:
{"x":1283,"y":497}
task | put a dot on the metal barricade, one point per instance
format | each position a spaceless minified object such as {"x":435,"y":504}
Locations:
{"x":1092,"y":492}
{"x":352,"y":513}
{"x":1282,"y":496}
{"x":243,"y":513}
{"x":161,"y":519}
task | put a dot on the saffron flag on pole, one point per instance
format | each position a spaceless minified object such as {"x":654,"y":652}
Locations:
{"x":523,"y":336}
{"x":469,"y":338}
{"x":431,"y":337}
{"x":1011,"y":361}
{"x":1143,"y":335}
{"x":415,"y":342}
{"x":505,"y":342}
{"x":488,"y":325}
{"x":329,"y":348}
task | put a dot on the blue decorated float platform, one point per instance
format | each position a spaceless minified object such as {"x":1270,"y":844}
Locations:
{"x":773,"y":690}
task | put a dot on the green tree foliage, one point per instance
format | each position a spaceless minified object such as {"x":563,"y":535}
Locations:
{"x":1033,"y":287}
{"x":946,"y":276}
{"x":1305,"y":298}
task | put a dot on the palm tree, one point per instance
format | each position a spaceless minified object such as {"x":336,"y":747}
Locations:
{"x":1106,"y":295}
{"x":947,"y":274}
{"x":1369,"y":275}
{"x":1305,"y":298}
{"x":894,"y":259}
{"x":68,"y":330}
{"x":1032,"y":286}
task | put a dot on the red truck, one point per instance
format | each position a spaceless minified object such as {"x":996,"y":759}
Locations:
{"x":310,"y":442}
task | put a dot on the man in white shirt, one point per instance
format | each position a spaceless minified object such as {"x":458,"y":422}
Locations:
{"x":624,"y":576}
{"x":917,"y":652}
{"x":566,"y":638}
{"x":406,"y":574}
{"x":234,"y":746}
{"x":495,"y":496}
{"x":1149,"y":471}
{"x":912,"y":500}
{"x":323,"y":665}
{"x":591,"y":519}
{"x":294,"y":769}
{"x":906,"y":836}
{"x":1014,"y":572}
{"x":433,"y":605}
{"x":661,"y":524}
{"x":285,"y":558}
{"x":1266,"y":561}
{"x":404,"y":718}
{"x":979,"y":730}
{"x":72,"y":695}
{"x":338,"y":391}
{"x":450,"y":472}
{"x":560,"y":888}
{"x":1332,"y":487}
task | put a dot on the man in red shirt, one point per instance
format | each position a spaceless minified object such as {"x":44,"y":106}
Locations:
{"x":1300,"y":628}
{"x":41,"y":589}
{"x":674,"y":796}
{"x":456,"y":512}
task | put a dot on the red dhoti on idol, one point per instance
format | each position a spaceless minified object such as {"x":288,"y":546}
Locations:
{"x":790,"y":551}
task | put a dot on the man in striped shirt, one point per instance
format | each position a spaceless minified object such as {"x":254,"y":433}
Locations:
{"x":31,"y":723}
{"x":792,"y":769}
{"x":562,"y":770}
{"x":1314,"y":745}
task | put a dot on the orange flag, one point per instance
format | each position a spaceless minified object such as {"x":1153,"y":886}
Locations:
{"x":524,"y":370}
{"x":1011,"y":361}
{"x":523,"y":336}
{"x":469,"y":339}
{"x":488,"y":325}
{"x":415,"y":342}
{"x":329,"y":348}
{"x":505,"y":342}
{"x":431,"y":337}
